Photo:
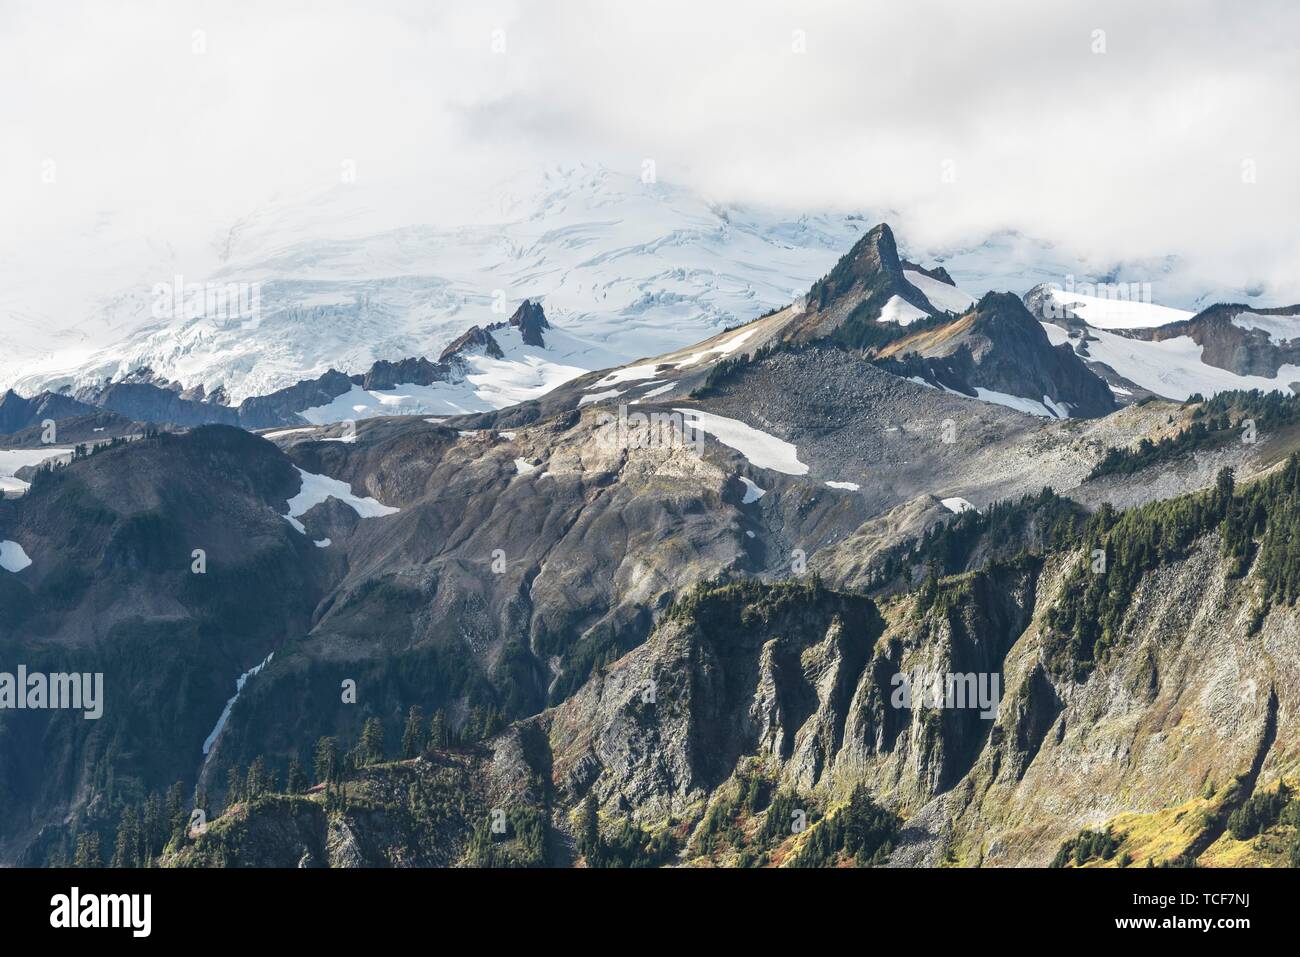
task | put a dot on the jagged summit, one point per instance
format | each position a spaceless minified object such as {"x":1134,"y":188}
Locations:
{"x":474,"y":338}
{"x":866,"y":286}
{"x":530,"y":320}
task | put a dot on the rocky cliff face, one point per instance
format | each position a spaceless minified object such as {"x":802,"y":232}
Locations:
{"x":794,"y":686}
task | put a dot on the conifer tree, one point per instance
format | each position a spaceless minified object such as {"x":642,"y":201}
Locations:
{"x":328,"y":765}
{"x":234,"y":786}
{"x":126,"y":847}
{"x":588,"y":828}
{"x":413,"y":740}
{"x":296,"y":780}
{"x":370,"y":749}
{"x":438,"y":736}
{"x":87,"y":853}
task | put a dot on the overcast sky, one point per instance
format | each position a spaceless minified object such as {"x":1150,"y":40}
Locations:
{"x":1181,"y":138}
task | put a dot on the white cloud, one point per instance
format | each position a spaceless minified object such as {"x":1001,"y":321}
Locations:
{"x":1136,"y":152}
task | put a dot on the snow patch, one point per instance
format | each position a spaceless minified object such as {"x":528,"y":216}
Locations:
{"x":846,"y":486}
{"x":761,"y":449}
{"x":630,"y":374}
{"x":1019,"y":403}
{"x":317,"y":488}
{"x":899,"y":310}
{"x":725,"y":348}
{"x":283,"y":432}
{"x":1060,"y":409}
{"x":523,"y":467}
{"x":752,"y":492}
{"x":12,"y":557}
{"x":598,"y":397}
{"x":958,"y":505}
{"x":661,"y":390}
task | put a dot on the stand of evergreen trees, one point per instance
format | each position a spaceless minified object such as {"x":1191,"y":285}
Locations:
{"x":1214,"y":422}
{"x":1259,"y":524}
{"x":1035,"y":523}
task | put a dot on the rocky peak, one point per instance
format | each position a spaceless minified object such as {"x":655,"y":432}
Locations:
{"x":530,"y":320}
{"x":410,"y":371}
{"x":870,"y":268}
{"x":476,"y":337}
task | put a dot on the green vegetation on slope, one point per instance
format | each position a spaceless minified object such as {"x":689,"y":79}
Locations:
{"x":1035,"y":523}
{"x":1215,"y":422}
{"x":1259,"y":523}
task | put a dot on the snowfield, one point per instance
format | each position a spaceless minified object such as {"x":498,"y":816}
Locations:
{"x":634,"y":268}
{"x":1278,"y":328}
{"x":1104,"y":313}
{"x":526,"y":372}
{"x":942,"y":296}
{"x":958,"y":505}
{"x":761,"y":449}
{"x":1172,"y":368}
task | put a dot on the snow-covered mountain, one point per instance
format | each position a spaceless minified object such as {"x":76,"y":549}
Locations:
{"x":629,"y":267}
{"x":625,"y":269}
{"x":1171,"y":352}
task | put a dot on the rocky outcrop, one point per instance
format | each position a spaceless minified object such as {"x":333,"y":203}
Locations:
{"x":530,"y":320}
{"x":998,"y":345}
{"x":1235,"y":337}
{"x":842,"y":305}
{"x":475,"y":338}
{"x":282,"y":407}
{"x":935,"y":272}
{"x":145,"y":402}
{"x":733,"y":672}
{"x":389,"y":375}
{"x":17,"y":413}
